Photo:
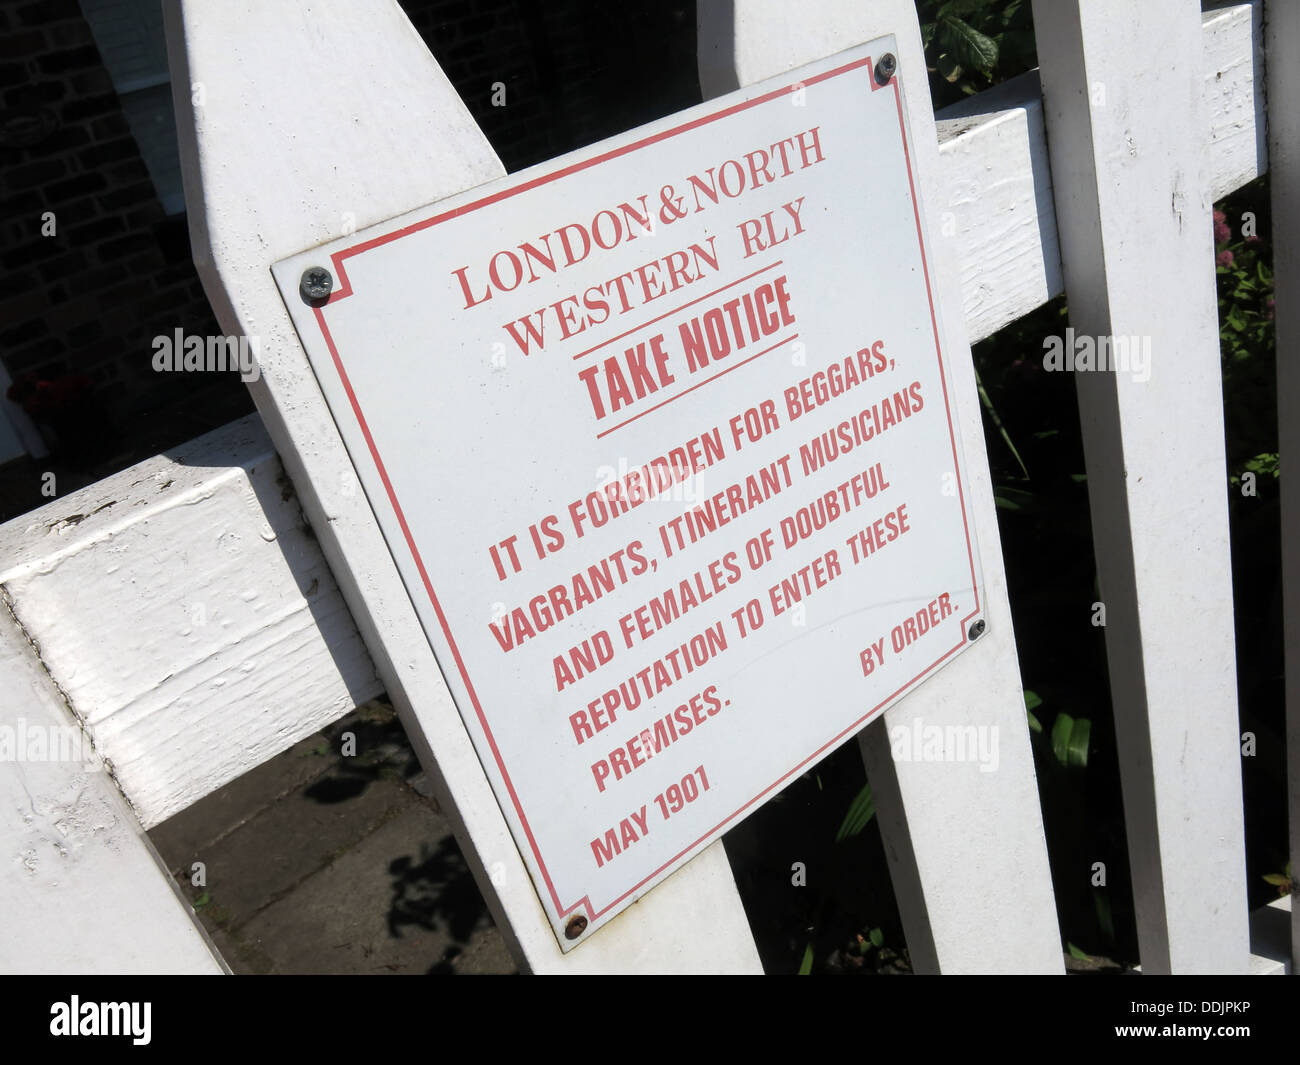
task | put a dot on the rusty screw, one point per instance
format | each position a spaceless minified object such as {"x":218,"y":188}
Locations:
{"x":316,"y":284}
{"x":885,"y":68}
{"x":576,"y":926}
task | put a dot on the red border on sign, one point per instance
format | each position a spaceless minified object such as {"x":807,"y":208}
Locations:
{"x":344,"y":290}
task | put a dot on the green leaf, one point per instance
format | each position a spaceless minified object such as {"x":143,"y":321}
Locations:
{"x":861,"y":810}
{"x":1079,"y":738}
{"x":1265,"y":464}
{"x":1070,"y":740}
{"x":202,"y":900}
{"x":997,"y":422}
{"x":877,"y":938}
{"x":1062,"y":728}
{"x":1075,"y":952}
{"x":805,"y":966}
{"x":949,"y":68}
{"x":1016,"y":498}
{"x":1032,"y":702}
{"x":969,"y":47}
{"x":1277,"y":879}
{"x":961,"y":8}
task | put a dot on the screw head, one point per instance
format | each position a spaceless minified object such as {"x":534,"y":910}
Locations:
{"x":576,"y":926}
{"x":316,"y":284}
{"x":885,"y":68}
{"x":977,"y":629}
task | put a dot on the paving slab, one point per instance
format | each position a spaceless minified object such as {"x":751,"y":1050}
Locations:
{"x":401,"y":901}
{"x":333,"y":858}
{"x":198,"y":826}
{"x":286,"y":843}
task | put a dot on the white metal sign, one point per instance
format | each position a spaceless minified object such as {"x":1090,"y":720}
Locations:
{"x":660,"y":438}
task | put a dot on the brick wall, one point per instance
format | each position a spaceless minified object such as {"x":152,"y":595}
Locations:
{"x":87,"y":301}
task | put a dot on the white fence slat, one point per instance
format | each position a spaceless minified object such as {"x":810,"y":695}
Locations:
{"x":995,"y":205}
{"x":995,"y":191}
{"x":1233,"y":106}
{"x":308,"y":121}
{"x":81,"y":889}
{"x":188,"y":616}
{"x":1284,"y":137}
{"x":1133,"y":209}
{"x":966,"y":848}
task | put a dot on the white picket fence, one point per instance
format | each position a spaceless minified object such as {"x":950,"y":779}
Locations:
{"x":182,"y":614}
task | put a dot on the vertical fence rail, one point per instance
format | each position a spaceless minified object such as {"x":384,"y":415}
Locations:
{"x":287,"y":124}
{"x":966,"y":848}
{"x":1125,"y":137}
{"x":1282,"y":29}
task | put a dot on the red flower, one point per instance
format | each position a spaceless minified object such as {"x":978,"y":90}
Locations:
{"x":1224,"y":258}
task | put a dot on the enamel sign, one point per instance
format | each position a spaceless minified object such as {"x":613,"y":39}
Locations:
{"x":660,"y":438}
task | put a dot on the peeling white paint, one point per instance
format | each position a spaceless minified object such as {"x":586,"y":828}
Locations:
{"x":171,"y":619}
{"x":81,"y":889}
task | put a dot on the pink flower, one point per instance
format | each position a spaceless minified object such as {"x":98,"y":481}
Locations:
{"x":1252,"y":239}
{"x":1221,"y":232}
{"x":1224,"y":258}
{"x":1219,"y":216}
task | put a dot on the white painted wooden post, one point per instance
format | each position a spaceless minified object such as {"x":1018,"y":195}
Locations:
{"x":1122,"y":98}
{"x":966,"y":847}
{"x":1283,"y":27}
{"x":81,"y":889}
{"x":296,"y":124}
{"x":180,"y":604}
